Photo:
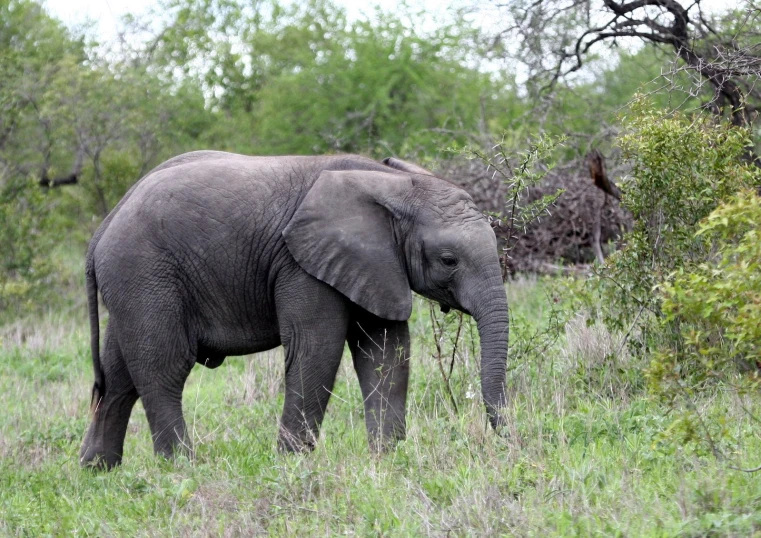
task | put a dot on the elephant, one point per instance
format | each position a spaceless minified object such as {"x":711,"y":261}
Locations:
{"x":215,"y":254}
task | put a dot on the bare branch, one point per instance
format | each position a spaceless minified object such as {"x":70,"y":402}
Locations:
{"x":558,"y":36}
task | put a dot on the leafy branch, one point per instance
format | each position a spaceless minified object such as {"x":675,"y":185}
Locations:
{"x":520,"y":173}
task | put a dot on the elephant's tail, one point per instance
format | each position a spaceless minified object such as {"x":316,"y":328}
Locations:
{"x":99,"y":388}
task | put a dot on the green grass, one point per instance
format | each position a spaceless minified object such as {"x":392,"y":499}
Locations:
{"x":582,"y":456}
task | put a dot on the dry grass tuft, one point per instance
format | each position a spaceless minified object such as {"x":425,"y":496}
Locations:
{"x":48,"y":333}
{"x":593,"y":344}
{"x":263,"y":378}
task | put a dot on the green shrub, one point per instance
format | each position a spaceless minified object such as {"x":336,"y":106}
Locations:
{"x":682,"y":168}
{"x":685,"y":290}
{"x":25,"y":243}
{"x":717,"y":303}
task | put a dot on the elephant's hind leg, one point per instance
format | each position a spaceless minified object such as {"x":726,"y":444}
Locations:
{"x":159,"y":366}
{"x":104,"y":442}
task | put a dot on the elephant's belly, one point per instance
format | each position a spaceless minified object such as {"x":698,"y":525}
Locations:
{"x":209,"y":357}
{"x":214,"y":346}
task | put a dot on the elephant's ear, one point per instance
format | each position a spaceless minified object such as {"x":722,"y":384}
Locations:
{"x":404,"y":166}
{"x":343,"y":234}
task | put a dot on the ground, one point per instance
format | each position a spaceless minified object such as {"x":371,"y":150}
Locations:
{"x":583,"y":455}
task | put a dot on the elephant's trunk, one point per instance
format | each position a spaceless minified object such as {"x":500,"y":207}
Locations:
{"x":492,"y":319}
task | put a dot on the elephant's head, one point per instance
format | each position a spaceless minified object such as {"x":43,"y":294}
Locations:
{"x":377,"y":236}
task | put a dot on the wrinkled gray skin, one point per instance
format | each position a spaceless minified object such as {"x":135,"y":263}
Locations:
{"x":214,"y":254}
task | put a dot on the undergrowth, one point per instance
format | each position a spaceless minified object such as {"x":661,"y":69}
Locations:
{"x":583,"y":454}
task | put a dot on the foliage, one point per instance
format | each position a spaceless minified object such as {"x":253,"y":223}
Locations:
{"x":30,"y":45}
{"x":301,"y":78}
{"x":682,"y":290}
{"x":682,"y":168}
{"x":591,"y":110}
{"x":716,"y":306}
{"x":718,"y":302}
{"x":25,"y":238}
{"x":556,"y":38}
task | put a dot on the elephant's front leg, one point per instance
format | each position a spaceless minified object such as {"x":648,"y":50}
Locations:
{"x":380,"y":350}
{"x":313,"y":319}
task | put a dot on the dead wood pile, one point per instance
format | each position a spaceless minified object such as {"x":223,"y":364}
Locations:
{"x":582,"y":225}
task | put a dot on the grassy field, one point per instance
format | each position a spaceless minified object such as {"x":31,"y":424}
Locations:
{"x":582,"y":456}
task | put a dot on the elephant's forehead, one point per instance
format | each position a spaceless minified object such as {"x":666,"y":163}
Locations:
{"x":453,"y":205}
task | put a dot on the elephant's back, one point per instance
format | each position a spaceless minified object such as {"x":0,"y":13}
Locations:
{"x":230,"y":174}
{"x":196,"y":201}
{"x":220,"y":213}
{"x":218,"y":187}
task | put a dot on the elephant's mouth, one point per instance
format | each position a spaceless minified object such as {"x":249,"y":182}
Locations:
{"x":445,"y":308}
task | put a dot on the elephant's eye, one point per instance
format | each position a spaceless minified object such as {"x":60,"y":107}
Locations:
{"x":449,"y":260}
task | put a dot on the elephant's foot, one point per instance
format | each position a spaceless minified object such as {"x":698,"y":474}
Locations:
{"x":384,"y":443}
{"x":97,"y":458}
{"x":170,"y":436}
{"x":103,"y":445}
{"x":111,"y":406}
{"x":298,"y":442}
{"x":175,"y":444}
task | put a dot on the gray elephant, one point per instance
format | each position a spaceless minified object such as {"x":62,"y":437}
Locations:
{"x":214,"y":254}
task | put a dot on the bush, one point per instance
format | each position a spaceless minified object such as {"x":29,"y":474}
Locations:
{"x":685,"y":290}
{"x":25,"y":243}
{"x":716,"y":305}
{"x":682,"y":168}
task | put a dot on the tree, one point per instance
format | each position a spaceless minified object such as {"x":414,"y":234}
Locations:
{"x":33,"y":50}
{"x":559,"y":36}
{"x":70,"y":114}
{"x":301,"y":78}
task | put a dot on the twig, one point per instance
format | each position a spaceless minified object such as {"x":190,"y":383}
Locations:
{"x":631,"y":327}
{"x":438,"y":357}
{"x":456,"y":341}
